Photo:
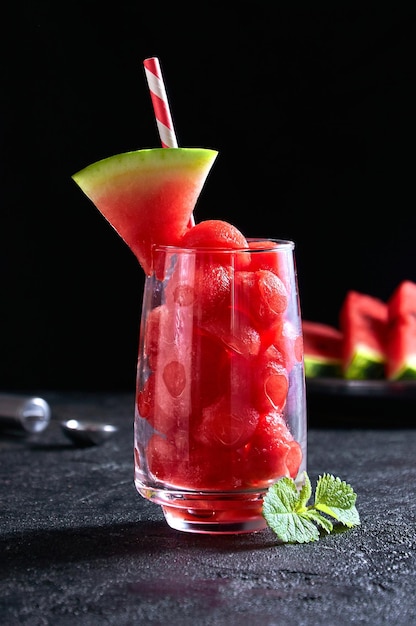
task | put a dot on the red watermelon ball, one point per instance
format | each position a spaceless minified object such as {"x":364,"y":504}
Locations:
{"x":273,"y":385}
{"x":217,"y":234}
{"x":206,"y":287}
{"x":262,"y":294}
{"x":236,"y":332}
{"x":272,"y":452}
{"x":265,"y":256}
{"x":225,"y":425}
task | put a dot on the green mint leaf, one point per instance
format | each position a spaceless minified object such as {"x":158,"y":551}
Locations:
{"x":305,"y":492}
{"x":334,"y":492}
{"x":348,"y":517}
{"x":286,"y":509}
{"x":337,"y":499}
{"x":280,"y":511}
{"x":282,"y":497}
{"x":320,"y":520}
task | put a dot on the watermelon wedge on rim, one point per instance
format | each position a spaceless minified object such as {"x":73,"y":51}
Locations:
{"x":148,"y":196}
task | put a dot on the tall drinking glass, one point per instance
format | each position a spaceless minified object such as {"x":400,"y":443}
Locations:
{"x":220,"y":410}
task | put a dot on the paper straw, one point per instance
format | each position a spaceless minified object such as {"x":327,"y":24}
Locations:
{"x":161,"y":107}
{"x":160,"y":103}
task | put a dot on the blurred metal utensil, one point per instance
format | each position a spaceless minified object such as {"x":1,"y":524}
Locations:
{"x":87,"y":433}
{"x":24,"y":413}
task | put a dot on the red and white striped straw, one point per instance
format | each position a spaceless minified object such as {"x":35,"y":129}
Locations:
{"x":160,"y":103}
{"x":161,"y":107}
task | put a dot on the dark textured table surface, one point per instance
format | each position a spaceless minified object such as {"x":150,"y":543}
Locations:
{"x":78,"y":545}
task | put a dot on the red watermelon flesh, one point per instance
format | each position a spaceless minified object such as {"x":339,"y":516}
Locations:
{"x":322,"y":344}
{"x":214,"y":234}
{"x":216,"y":423}
{"x":402,"y":303}
{"x":148,"y":196}
{"x":277,"y":263}
{"x":364,"y":324}
{"x":401,"y":344}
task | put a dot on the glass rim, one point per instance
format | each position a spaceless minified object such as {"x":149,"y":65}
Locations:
{"x":279,"y":244}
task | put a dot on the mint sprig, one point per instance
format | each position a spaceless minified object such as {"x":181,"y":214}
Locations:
{"x":286,"y":509}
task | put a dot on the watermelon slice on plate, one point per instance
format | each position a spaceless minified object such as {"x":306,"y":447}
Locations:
{"x":322,"y":346}
{"x":402,"y":303}
{"x":401,"y":344}
{"x":148,"y":196}
{"x":364,"y":323}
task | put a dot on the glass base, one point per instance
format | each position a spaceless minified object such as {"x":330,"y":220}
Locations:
{"x":214,"y":514}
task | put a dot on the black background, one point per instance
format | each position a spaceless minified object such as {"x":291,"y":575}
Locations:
{"x":312,"y":111}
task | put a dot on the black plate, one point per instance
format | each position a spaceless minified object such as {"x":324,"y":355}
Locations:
{"x":363,"y":388}
{"x":341,"y":403}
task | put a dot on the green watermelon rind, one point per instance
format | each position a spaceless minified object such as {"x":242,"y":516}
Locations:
{"x":365,"y":364}
{"x":317,"y":367}
{"x":407,"y":371}
{"x":95,"y":174}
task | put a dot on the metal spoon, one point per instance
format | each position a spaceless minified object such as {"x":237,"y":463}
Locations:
{"x":87,"y":433}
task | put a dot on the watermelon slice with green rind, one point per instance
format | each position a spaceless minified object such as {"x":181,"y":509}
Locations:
{"x":401,"y":345}
{"x":148,"y":196}
{"x":322,"y":346}
{"x":364,"y":324}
